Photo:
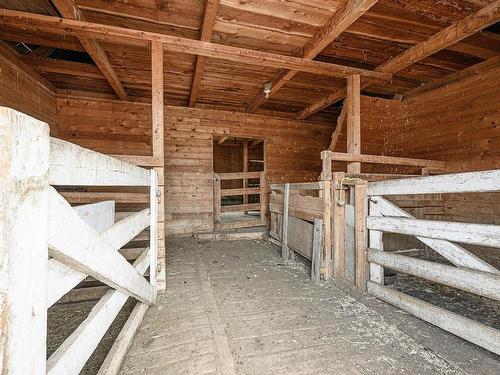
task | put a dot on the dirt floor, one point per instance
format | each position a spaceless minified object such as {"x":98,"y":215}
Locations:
{"x":236,"y":308}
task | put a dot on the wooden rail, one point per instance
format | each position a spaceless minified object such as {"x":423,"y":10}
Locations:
{"x":246,"y":191}
{"x":48,"y":247}
{"x":469,"y":272}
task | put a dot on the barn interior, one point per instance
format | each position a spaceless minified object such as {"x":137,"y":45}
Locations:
{"x":322,"y":185}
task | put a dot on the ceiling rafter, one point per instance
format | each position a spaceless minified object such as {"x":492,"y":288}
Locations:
{"x":207,"y":29}
{"x":454,"y":33}
{"x":69,"y":10}
{"x":341,"y":20}
{"x":113,"y":34}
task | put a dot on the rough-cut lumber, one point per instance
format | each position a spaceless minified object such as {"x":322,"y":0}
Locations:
{"x":74,"y":165}
{"x":74,"y":243}
{"x":456,"y":254}
{"x":340,"y":21}
{"x":458,"y":31}
{"x":481,"y":283}
{"x":68,"y":9}
{"x":477,"y":333}
{"x":477,"y":234}
{"x":113,"y":34}
{"x":74,"y":352}
{"x":207,"y":29}
{"x":470,"y":182}
{"x":24,"y":158}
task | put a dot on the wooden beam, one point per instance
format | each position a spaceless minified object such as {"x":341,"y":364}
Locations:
{"x":36,"y":22}
{"x":73,"y":165}
{"x":47,"y":65}
{"x":68,"y":9}
{"x":475,"y":234}
{"x":338,"y":129}
{"x":341,"y":20}
{"x":381,"y":159}
{"x":157,"y":97}
{"x":481,"y":283}
{"x":477,"y":333}
{"x":458,"y":31}
{"x":207,"y":29}
{"x":470,"y":182}
{"x":480,"y":68}
{"x":13,"y":56}
{"x":353,"y":114}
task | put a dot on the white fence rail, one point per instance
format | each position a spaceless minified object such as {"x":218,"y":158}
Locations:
{"x":49,"y":247}
{"x":467,"y":272}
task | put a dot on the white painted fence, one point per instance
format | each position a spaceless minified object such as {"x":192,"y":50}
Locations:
{"x":467,"y":272}
{"x":49,"y":247}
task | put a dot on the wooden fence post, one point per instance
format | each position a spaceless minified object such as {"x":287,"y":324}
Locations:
{"x":263,"y":198}
{"x":153,"y":231}
{"x":284,"y":233}
{"x":217,"y":202}
{"x":24,"y":201}
{"x":316,"y":250}
{"x":376,"y":242}
{"x":361,"y":210}
{"x":338,"y":235}
{"x":327,"y":230}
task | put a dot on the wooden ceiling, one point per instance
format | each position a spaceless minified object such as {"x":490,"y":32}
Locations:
{"x":385,"y":30}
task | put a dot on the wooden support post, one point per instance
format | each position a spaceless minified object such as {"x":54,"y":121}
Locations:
{"x":353,"y":108}
{"x":284,"y":233}
{"x":158,"y":142}
{"x":376,"y":242}
{"x":217,"y":202}
{"x":326,"y":167}
{"x":157,"y":97}
{"x":338,"y":235}
{"x":24,"y":161}
{"x":361,"y":207}
{"x":327,"y":267}
{"x":316,"y":250}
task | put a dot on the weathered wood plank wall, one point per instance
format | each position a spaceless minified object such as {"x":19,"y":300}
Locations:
{"x":23,"y":92}
{"x":292,"y":155}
